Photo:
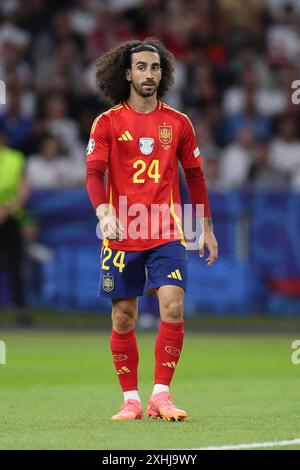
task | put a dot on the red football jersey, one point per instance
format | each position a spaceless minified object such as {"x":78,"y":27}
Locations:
{"x":142,"y":152}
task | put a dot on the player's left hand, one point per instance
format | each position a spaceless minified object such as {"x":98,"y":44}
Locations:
{"x":207,"y":239}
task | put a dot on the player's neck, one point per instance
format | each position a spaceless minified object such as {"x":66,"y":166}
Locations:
{"x":141,"y":104}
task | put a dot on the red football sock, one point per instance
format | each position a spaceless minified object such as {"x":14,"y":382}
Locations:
{"x":167,"y":350}
{"x":126,"y":357}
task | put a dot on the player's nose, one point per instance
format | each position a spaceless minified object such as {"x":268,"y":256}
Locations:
{"x":149,"y":74}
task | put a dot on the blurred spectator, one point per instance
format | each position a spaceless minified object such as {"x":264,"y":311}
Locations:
{"x":237,"y":160}
{"x":123,"y":4}
{"x":9,"y":33}
{"x":285,"y":147}
{"x":295,"y":181}
{"x":12,"y":123}
{"x":234,"y":97}
{"x":212,"y":169}
{"x":57,"y":30}
{"x":62,"y":70}
{"x":250,"y":118}
{"x":269,"y":98}
{"x":276,"y":7}
{"x":283,"y":40}
{"x":59,"y":123}
{"x":51,"y":168}
{"x":202,"y":89}
{"x":14,"y":69}
{"x":13,"y":194}
{"x":262,"y":175}
{"x":82,"y":17}
{"x":213,"y":117}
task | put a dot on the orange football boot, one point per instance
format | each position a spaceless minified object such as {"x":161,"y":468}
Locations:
{"x":161,"y":406}
{"x":131,"y":409}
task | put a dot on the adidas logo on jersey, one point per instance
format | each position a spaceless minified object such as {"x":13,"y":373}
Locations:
{"x":175,"y":275}
{"x":125,"y":136}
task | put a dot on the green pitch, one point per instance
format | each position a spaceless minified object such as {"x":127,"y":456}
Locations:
{"x":58,"y":391}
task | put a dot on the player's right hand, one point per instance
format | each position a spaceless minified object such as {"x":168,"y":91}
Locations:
{"x":111,"y":226}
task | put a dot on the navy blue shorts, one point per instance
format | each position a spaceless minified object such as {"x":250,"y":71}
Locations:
{"x":127,"y":274}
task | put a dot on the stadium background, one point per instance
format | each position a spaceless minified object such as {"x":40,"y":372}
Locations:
{"x":236,"y":62}
{"x":235,"y":65}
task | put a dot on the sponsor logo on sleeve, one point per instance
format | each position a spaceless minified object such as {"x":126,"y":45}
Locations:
{"x":90,"y":146}
{"x":196,"y":152}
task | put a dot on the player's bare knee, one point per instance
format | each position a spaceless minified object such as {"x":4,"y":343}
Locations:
{"x":172,"y":311}
{"x":123,"y":320}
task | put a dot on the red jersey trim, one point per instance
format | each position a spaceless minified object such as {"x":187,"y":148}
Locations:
{"x":95,"y":123}
{"x":115,"y":108}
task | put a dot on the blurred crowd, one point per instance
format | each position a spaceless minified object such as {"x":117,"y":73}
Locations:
{"x":235,"y":65}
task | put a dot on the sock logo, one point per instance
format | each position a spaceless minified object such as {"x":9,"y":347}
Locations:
{"x":172,"y":350}
{"x":123,"y":370}
{"x":171,"y":365}
{"x":119,"y":357}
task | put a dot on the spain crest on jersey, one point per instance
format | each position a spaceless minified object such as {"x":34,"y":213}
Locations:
{"x":108,"y":283}
{"x":165,"y":134}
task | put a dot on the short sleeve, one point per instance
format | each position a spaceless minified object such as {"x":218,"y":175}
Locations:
{"x":188,"y":151}
{"x":98,"y":145}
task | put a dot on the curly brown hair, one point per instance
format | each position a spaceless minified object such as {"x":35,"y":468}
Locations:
{"x":112,"y":66}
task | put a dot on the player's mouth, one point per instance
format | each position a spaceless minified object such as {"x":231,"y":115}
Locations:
{"x":148,"y":84}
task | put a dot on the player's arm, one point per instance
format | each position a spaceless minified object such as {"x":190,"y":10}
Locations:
{"x":190,"y":158}
{"x":96,"y":165}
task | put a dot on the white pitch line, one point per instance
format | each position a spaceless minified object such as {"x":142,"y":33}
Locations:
{"x":254,"y":445}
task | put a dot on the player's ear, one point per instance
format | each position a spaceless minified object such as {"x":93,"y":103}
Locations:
{"x":128,"y":75}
